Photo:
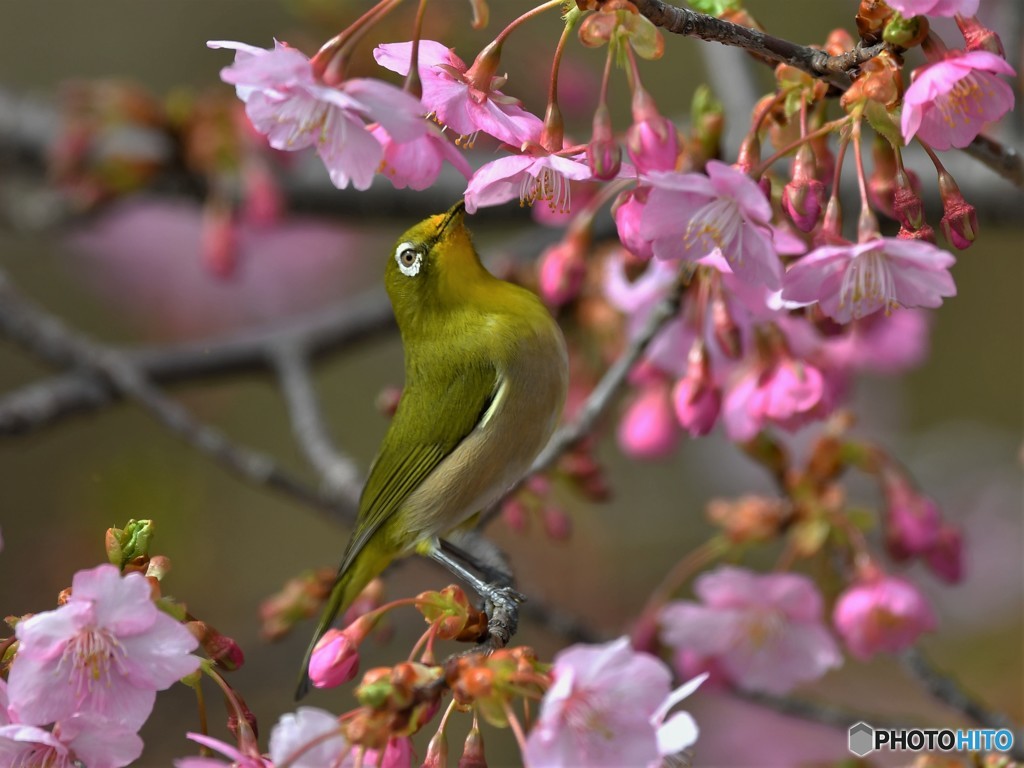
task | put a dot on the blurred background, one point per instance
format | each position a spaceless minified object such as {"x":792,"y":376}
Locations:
{"x":135,"y":269}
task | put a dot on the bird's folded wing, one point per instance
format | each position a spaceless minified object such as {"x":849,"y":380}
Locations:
{"x":430,"y":423}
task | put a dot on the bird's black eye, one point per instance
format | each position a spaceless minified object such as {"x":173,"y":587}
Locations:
{"x":409,"y":259}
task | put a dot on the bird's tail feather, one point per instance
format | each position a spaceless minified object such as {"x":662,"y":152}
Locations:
{"x":352,"y":579}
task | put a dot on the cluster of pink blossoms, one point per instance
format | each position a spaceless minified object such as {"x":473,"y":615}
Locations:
{"x":85,"y":676}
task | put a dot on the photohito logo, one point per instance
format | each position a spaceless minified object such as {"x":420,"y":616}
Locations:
{"x":865,"y":739}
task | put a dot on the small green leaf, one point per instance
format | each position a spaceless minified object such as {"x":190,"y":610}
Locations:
{"x":884,"y":122}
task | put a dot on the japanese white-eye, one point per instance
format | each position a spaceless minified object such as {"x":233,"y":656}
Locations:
{"x":486,"y":373}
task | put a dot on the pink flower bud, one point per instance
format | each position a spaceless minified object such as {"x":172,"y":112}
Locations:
{"x":804,"y":197}
{"x":627,"y":211}
{"x":398,"y":753}
{"x":885,"y":613}
{"x":263,"y":202}
{"x":219,"y":241}
{"x":437,"y":752}
{"x":945,"y":558}
{"x":335,"y":660}
{"x":978,"y":37}
{"x":515,"y":514}
{"x":562,"y":269}
{"x":648,"y":429}
{"x":473,"y":750}
{"x":557,"y":524}
{"x":651,"y":140}
{"x":604,"y":155}
{"x":912,"y":519}
{"x":959,"y":222}
{"x":907,"y":204}
{"x":696,"y":399}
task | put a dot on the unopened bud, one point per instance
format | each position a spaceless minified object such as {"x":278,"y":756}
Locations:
{"x":907,"y":204}
{"x":945,"y":558}
{"x":959,"y":222}
{"x":652,"y":141}
{"x":473,"y":750}
{"x":726,"y":331}
{"x":978,"y":37}
{"x":221,"y":649}
{"x":563,"y":267}
{"x":219,"y":241}
{"x":437,"y":752}
{"x":557,"y":524}
{"x":803,"y":198}
{"x":335,"y":660}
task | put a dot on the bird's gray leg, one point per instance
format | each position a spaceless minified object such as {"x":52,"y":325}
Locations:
{"x":502,"y":601}
{"x":480,"y":554}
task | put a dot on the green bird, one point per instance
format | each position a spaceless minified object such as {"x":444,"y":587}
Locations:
{"x":486,"y":373}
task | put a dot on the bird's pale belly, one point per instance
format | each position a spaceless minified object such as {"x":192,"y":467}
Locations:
{"x":515,"y":428}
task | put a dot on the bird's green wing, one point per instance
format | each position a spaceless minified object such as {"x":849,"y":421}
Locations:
{"x":431,"y":420}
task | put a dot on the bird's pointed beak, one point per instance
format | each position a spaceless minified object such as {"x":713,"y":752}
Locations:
{"x":455,"y":213}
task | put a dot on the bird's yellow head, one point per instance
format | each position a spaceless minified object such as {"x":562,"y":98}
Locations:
{"x":434,"y":268}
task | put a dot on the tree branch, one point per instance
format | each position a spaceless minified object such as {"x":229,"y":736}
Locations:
{"x":46,"y":337}
{"x":835,"y":70}
{"x":947,"y":690}
{"x":340,"y":476}
{"x":40,"y":404}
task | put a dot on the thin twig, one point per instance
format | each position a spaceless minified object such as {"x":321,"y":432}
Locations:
{"x":42,"y":403}
{"x":45,"y":336}
{"x":816,"y":712}
{"x":946,"y":689}
{"x":340,"y":476}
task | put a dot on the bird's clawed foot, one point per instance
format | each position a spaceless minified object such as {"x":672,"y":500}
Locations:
{"x":502,"y":607}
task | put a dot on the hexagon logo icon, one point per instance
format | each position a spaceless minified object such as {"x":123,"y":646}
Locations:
{"x":862,"y":739}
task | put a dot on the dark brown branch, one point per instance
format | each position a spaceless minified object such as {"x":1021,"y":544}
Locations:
{"x":46,"y":337}
{"x":835,"y":70}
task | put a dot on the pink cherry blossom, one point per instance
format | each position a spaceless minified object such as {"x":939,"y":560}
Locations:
{"x":852,"y":281}
{"x":950,"y":102}
{"x":295,"y":730}
{"x":912,"y":519}
{"x":80,"y":740}
{"x":882,"y":343}
{"x":600,"y":709}
{"x":688,"y":216}
{"x":561,"y":270}
{"x":452,"y":94}
{"x":107,"y":651}
{"x":649,"y":429}
{"x":789,"y":393}
{"x":678,"y":731}
{"x":286,"y":102}
{"x":882,"y":614}
{"x":238,"y":758}
{"x":764,"y":631}
{"x":537,"y":175}
{"x":935,"y":7}
{"x":638,"y":299}
{"x":417,"y":163}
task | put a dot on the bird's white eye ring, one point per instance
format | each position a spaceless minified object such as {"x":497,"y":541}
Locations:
{"x":409,"y":259}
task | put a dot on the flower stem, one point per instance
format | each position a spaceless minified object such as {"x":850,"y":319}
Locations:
{"x":526,"y":17}
{"x":826,"y":128}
